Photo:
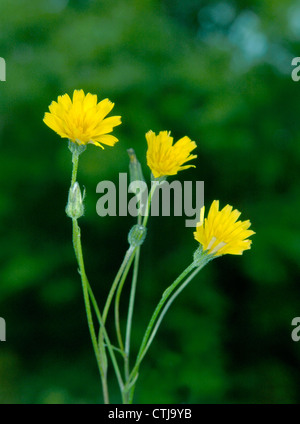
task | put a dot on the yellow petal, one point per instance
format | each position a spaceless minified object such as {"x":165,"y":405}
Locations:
{"x":82,"y":119}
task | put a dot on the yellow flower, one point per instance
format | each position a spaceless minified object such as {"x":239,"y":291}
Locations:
{"x":164,"y":158}
{"x":82,"y":119}
{"x":220,"y":233}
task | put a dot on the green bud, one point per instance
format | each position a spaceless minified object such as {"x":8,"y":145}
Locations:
{"x":75,"y":207}
{"x":137,"y":235}
{"x":135,"y":169}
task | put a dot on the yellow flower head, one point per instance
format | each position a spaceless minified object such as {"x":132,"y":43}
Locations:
{"x":164,"y":158}
{"x":220,"y":233}
{"x":82,"y":119}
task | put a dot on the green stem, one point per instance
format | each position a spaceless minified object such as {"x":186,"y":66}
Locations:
{"x":117,"y":300}
{"x":79,"y":257}
{"x":165,"y":309}
{"x":157,"y":310}
{"x":114,"y":286}
{"x":85,"y":287}
{"x":75,"y":160}
{"x":131,"y":304}
{"x":152,"y":190}
{"x":130,"y":311}
{"x":111,"y":293}
{"x":165,"y":303}
{"x":88,"y":291}
{"x":110,"y":347}
{"x":85,"y":284}
{"x":132,"y":295}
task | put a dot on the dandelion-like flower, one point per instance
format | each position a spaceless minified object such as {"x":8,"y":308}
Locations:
{"x":164,"y":158}
{"x":220,"y":233}
{"x":82,"y":119}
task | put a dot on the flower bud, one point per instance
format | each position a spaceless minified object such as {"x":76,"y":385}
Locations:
{"x":137,"y":235}
{"x":75,"y":207}
{"x":135,"y":169}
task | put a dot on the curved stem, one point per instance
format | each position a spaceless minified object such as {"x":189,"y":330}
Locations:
{"x":161,"y":303}
{"x":88,"y":291}
{"x":99,"y":347}
{"x":114,"y":286}
{"x":132,"y":295}
{"x":131,"y":304}
{"x":85,"y":286}
{"x":130,"y":311}
{"x":117,"y":300}
{"x":165,"y":310}
{"x":165,"y":302}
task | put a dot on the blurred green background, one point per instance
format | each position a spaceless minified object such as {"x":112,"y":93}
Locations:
{"x":217,"y":71}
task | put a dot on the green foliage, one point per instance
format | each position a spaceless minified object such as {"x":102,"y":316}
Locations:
{"x":218,"y":72}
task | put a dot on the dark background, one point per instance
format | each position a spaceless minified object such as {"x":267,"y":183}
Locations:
{"x":217,"y":71}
